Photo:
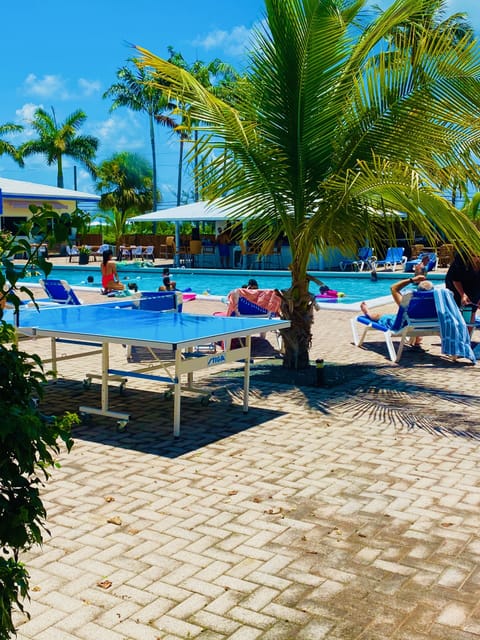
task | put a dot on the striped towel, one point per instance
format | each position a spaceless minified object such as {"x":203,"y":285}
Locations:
{"x":453,"y":330}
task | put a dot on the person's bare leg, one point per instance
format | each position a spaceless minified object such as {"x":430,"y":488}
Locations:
{"x":364,"y":309}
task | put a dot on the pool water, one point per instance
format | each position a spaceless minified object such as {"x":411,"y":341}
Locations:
{"x":216,"y":282}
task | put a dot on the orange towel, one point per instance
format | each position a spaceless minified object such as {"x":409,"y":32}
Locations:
{"x":265,"y":298}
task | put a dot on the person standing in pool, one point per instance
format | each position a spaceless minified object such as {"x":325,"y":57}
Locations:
{"x":110,"y":281}
{"x":168,"y":285}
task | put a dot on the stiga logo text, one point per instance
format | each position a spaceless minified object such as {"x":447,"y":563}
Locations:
{"x":216,"y":359}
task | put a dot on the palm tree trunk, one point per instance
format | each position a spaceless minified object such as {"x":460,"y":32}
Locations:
{"x":60,"y":171}
{"x":298,"y":306}
{"x":154,"y":163}
{"x":180,"y":167}
{"x":154,"y":168}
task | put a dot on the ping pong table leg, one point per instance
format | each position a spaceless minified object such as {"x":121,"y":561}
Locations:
{"x":177,"y":394}
{"x":53,"y":344}
{"x":123,"y":418}
{"x":246,"y":375}
{"x":105,"y":362}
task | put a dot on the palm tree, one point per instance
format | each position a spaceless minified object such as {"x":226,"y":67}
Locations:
{"x":135,"y":90}
{"x":6,"y":147}
{"x":216,"y":76}
{"x":125,"y":184}
{"x":331,"y":126}
{"x":56,"y":141}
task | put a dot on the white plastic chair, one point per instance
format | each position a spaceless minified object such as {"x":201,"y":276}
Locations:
{"x":72,"y":252}
{"x":149,"y":253}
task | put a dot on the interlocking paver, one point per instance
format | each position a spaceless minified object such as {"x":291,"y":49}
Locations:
{"x":345,"y":512}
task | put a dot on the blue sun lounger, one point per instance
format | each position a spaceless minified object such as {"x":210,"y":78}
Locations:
{"x":422,"y":313}
{"x":365,"y":259}
{"x":59,"y":291}
{"x":393,"y":257}
{"x":431,"y":266}
{"x":417,"y":316}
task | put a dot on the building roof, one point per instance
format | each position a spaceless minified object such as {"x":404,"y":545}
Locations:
{"x":33,"y":191}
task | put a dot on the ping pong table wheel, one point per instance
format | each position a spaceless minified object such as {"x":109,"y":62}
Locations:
{"x":121,"y":388}
{"x":122,"y":426}
{"x":86,"y":418}
{"x":87,"y":383}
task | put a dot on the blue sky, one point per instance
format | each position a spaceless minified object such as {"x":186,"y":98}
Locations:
{"x":66,"y":54}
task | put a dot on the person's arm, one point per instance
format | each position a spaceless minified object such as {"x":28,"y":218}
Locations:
{"x":398,"y":286}
{"x":114,"y":272}
{"x":464,"y":299}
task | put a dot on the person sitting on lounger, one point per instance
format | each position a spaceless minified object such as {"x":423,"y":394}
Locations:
{"x":421,"y":269}
{"x":388,"y":319}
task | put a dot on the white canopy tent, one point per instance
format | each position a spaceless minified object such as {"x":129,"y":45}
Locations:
{"x":194,"y":212}
{"x":200,"y":211}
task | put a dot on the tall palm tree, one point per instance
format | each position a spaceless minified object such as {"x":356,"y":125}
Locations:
{"x":216,"y":76}
{"x":135,"y":89}
{"x":331,"y":126}
{"x":55,"y":141}
{"x":125,"y":184}
{"x":6,"y":147}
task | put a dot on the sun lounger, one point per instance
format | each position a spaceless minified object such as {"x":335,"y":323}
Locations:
{"x":431,"y":266}
{"x":416,"y":316}
{"x":422,"y":313}
{"x":393,"y":257}
{"x":365,"y":260}
{"x":59,"y":291}
{"x":255,"y":303}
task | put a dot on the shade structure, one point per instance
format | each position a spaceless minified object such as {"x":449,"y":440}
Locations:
{"x":15,"y":189}
{"x":194,"y":212}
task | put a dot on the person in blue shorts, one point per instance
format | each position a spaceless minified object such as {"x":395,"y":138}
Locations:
{"x":387,"y":319}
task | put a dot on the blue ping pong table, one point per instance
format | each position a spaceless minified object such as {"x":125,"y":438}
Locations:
{"x":180,"y":333}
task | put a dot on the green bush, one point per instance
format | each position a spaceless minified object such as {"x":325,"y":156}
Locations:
{"x":29,"y":440}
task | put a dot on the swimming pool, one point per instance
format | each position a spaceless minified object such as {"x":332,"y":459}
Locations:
{"x":216,"y":282}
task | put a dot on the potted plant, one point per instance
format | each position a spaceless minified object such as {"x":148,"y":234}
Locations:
{"x":84,"y":255}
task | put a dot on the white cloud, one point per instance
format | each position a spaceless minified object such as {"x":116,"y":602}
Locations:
{"x":24,"y":115}
{"x":87,"y":87}
{"x":120,"y":133}
{"x":234,"y":42}
{"x":49,"y":86}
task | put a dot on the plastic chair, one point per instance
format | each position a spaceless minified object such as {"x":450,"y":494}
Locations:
{"x":249,"y":255}
{"x":136,"y":252}
{"x":149,"y":253}
{"x":446,"y":254}
{"x":72,"y":252}
{"x":270,"y":256}
{"x":125,"y":253}
{"x":101,"y":249}
{"x":167,"y":250}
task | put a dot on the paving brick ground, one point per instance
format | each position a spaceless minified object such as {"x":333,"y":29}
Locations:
{"x":345,"y":512}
